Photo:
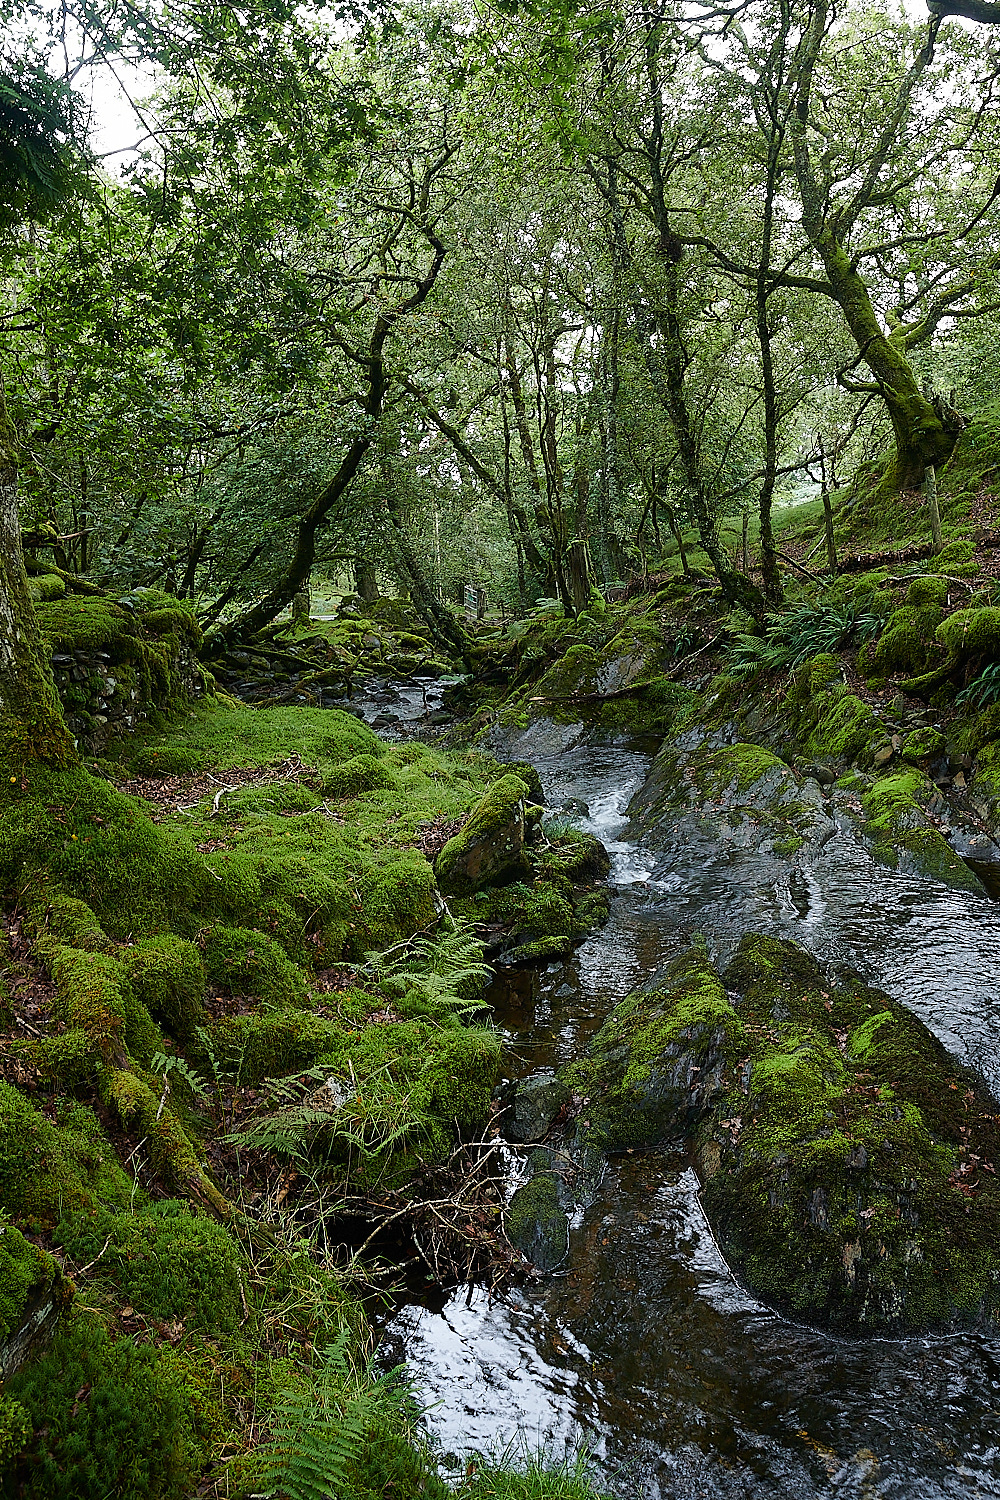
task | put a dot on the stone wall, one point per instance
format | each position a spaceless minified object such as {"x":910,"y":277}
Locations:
{"x":117,"y":663}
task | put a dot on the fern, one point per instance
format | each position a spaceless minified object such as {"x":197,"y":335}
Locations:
{"x":446,"y":971}
{"x":319,"y":1428}
{"x":797,"y":634}
{"x":166,"y":1064}
{"x":984,"y":689}
{"x":313,"y":1114}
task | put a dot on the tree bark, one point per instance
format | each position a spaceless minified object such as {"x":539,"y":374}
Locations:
{"x":32,"y":727}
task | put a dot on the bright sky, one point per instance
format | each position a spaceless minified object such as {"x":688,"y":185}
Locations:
{"x":116,"y":127}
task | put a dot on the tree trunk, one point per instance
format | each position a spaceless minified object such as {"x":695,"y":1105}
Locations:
{"x":32,"y":727}
{"x":365,"y":579}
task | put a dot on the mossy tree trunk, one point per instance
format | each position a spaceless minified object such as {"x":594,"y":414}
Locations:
{"x":925,"y":431}
{"x":32,"y":726}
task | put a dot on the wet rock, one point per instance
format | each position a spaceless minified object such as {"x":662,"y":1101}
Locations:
{"x":536,"y":1223}
{"x":535,"y":1105}
{"x":883,"y":755}
{"x":657,"y":1066}
{"x":490,"y":848}
{"x":825,"y":775}
{"x":739,"y":794}
{"x":575,"y":806}
{"x":848,"y":1163}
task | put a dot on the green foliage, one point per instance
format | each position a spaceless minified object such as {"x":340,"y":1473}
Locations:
{"x":983,"y":690}
{"x":797,"y":634}
{"x":168,"y":1261}
{"x":516,"y":1475}
{"x":109,"y":1417}
{"x":319,"y":1426}
{"x":430,"y":975}
{"x":47,"y":1168}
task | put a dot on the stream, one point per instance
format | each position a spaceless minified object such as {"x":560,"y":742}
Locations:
{"x":646,"y":1350}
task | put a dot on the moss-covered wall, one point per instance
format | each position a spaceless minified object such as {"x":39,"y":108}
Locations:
{"x":117,"y":663}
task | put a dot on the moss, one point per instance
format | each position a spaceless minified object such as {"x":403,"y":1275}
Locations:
{"x":46,"y":587}
{"x":15,"y":1431}
{"x":536,"y":1223}
{"x":47,"y":1168}
{"x":638,"y":1068}
{"x":94,"y":994}
{"x":575,"y":673}
{"x":898,"y":826}
{"x":907,"y":644}
{"x":168,"y":977}
{"x":971,"y":632}
{"x":956,"y":552}
{"x":489,"y":848}
{"x":839,"y":1184}
{"x":108,"y":1417}
{"x":166,"y":1261}
{"x":845,"y":730}
{"x":923,"y":744}
{"x":28,"y":1276}
{"x":924,"y":591}
{"x":245,"y":961}
{"x":737,"y":765}
{"x":252,"y":1047}
{"x":362,"y":773}
{"x":231,"y":737}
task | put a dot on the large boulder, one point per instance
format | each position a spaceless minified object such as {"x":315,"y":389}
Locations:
{"x":848,"y":1161}
{"x":490,"y":848}
{"x":656,"y":1066}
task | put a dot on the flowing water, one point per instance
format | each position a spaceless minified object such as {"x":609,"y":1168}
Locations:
{"x":646,"y":1349}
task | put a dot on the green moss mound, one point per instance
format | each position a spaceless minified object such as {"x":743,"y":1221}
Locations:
{"x":245,"y":961}
{"x":489,"y":849}
{"x":109,"y":1417}
{"x":47,"y":1168}
{"x":167,"y":1261}
{"x":28,"y":1276}
{"x":636,"y":1081}
{"x":845,"y":1179}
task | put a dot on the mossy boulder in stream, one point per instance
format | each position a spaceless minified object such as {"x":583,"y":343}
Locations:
{"x":848,"y":1161}
{"x":536,"y":1222}
{"x":657,"y":1064}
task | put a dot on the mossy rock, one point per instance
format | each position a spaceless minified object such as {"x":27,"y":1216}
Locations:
{"x":902,"y":836}
{"x":47,"y":1168}
{"x":971,"y":632}
{"x":536,"y":1223}
{"x":44,"y":587}
{"x":843,"y":1163}
{"x":267,"y":1044}
{"x":110,"y":1417}
{"x":245,"y":961}
{"x":907,"y":644}
{"x":168,"y":977}
{"x":923,"y":745}
{"x":658,"y":1061}
{"x":362,"y":773}
{"x":167,"y":1261}
{"x":924,"y":591}
{"x":490,"y":848}
{"x":33,"y":1290}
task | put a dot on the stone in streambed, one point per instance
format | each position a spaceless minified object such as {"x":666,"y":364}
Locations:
{"x":536,"y":1223}
{"x":848,"y":1162}
{"x":657,"y":1065}
{"x":534,"y":1106}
